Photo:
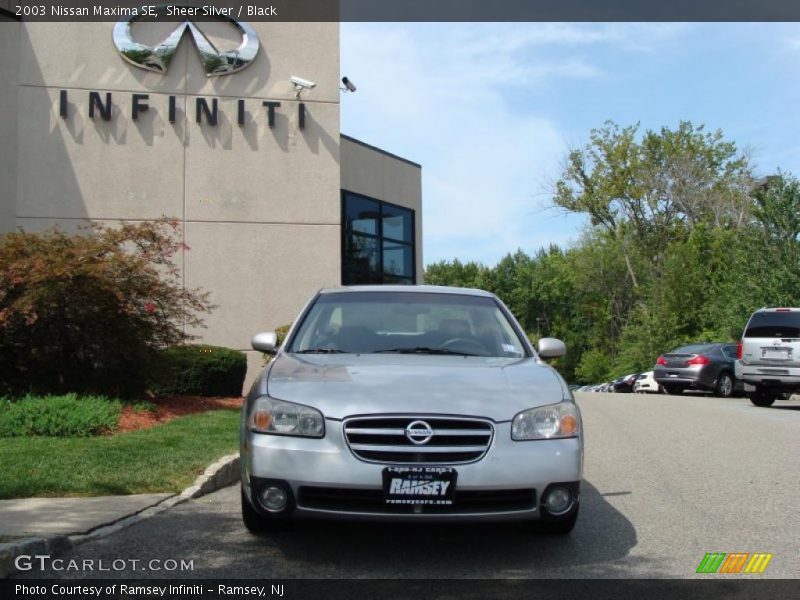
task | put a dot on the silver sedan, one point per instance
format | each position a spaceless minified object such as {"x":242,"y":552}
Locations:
{"x":410,"y":403}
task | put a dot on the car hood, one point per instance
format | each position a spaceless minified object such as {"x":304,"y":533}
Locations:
{"x":344,"y":385}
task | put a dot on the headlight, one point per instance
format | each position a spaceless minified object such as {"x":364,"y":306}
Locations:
{"x":269,"y":415}
{"x":562,"y":420}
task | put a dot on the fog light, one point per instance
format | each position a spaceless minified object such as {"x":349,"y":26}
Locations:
{"x":558,"y":501}
{"x":273,"y":498}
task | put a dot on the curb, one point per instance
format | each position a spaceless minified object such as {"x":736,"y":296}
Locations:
{"x":29,"y":547}
{"x":217,"y":475}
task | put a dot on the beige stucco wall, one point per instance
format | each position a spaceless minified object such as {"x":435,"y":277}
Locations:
{"x":385,"y":177}
{"x":77,"y":167}
{"x":260,"y":206}
{"x":9,"y":45}
{"x":121,"y":169}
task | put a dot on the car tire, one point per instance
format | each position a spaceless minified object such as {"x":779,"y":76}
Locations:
{"x":723,"y":388}
{"x":258,"y":524}
{"x":673,"y":390}
{"x":759,"y":398}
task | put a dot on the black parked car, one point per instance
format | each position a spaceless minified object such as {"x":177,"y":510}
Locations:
{"x":708,"y":367}
{"x":624,"y":384}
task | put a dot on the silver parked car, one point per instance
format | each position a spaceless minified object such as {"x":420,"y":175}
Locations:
{"x":708,"y":367}
{"x":769,"y":355}
{"x":412,"y":403}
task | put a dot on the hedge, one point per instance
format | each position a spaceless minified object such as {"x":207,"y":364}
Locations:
{"x":198,"y":370}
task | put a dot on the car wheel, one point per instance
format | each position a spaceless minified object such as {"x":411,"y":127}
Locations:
{"x":256,"y":523}
{"x":673,"y":390}
{"x":723,"y":388}
{"x":759,"y":398}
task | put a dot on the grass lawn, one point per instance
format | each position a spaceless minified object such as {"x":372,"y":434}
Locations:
{"x":165,"y":458}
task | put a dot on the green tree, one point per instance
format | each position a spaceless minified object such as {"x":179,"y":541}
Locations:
{"x":638,"y":190}
{"x":84,"y":313}
{"x":455,"y":273}
{"x":594,"y":367}
{"x":681,"y":247}
{"x":777,"y":212}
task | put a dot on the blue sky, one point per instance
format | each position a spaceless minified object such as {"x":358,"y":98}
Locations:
{"x":490,"y":109}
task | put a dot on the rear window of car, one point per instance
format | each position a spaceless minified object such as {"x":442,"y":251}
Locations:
{"x":693,"y":349}
{"x":774,"y":325}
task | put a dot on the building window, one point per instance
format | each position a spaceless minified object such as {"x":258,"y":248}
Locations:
{"x":377,"y":241}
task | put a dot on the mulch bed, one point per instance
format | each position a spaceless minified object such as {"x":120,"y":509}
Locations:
{"x":170,"y":408}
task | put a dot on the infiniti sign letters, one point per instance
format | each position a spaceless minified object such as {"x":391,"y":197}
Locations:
{"x":158,"y":59}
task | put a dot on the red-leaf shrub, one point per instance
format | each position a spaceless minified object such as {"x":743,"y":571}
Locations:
{"x":86,"y":312}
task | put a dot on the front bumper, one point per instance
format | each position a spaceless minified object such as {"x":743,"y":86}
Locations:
{"x":327,"y":481}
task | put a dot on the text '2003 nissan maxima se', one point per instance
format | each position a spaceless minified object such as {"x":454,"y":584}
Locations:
{"x":412,"y":403}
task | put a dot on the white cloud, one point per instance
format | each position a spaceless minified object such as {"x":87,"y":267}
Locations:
{"x":453,"y":97}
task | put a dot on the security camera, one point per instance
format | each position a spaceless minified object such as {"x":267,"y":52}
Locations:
{"x":349,"y":86}
{"x":302,"y":84}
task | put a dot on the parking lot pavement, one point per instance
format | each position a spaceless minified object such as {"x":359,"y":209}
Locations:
{"x":666,"y":480}
{"x":46,"y":516}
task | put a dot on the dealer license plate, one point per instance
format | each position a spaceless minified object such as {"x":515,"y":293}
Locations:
{"x":776,"y":353}
{"x":419,"y":485}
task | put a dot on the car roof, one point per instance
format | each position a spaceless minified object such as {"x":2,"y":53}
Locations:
{"x":431,"y":289}
{"x":782,"y":309}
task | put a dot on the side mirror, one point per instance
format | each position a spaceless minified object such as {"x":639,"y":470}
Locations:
{"x":265,"y":342}
{"x":551,"y":348}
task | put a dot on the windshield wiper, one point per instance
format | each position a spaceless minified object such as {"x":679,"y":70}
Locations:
{"x":425,"y":350}
{"x":321,"y":351}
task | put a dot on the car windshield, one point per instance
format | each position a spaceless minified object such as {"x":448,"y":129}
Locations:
{"x":407,"y":323}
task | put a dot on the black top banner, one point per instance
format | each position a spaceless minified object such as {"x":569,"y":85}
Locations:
{"x":410,"y":10}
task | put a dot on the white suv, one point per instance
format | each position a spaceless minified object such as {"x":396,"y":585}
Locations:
{"x":768,"y":357}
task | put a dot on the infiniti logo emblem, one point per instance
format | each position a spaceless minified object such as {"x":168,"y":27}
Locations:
{"x":419,"y":433}
{"x":215,"y":62}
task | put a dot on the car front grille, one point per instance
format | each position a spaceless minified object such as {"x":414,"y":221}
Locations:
{"x":372,"y":501}
{"x":383,"y":439}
